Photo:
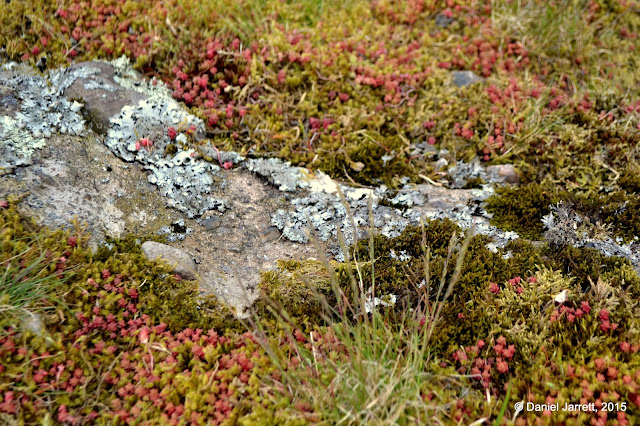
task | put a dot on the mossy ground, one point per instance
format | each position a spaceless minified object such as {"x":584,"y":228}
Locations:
{"x":352,"y":88}
{"x":126,"y":340}
{"x":505,"y":323}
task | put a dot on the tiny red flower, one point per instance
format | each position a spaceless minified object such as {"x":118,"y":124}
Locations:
{"x":585,"y":307}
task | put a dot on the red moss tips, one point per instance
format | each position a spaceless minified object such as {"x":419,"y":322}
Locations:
{"x":4,"y":204}
{"x":144,"y":143}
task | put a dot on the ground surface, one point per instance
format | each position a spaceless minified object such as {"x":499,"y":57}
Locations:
{"x":251,"y":138}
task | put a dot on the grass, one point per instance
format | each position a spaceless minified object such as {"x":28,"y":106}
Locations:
{"x":379,"y":371}
{"x":30,"y":290}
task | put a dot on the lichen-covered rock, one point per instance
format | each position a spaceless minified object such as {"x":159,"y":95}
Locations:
{"x":279,"y":173}
{"x":462,"y":174}
{"x":101,"y":95}
{"x":31,"y":111}
{"x":182,"y":262}
{"x":140,"y":132}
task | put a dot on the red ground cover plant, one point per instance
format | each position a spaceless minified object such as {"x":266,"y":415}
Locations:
{"x":261,"y":80}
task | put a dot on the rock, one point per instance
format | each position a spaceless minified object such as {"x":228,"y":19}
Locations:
{"x":440,"y":164}
{"x":443,"y":21}
{"x":33,"y":323}
{"x":211,"y":223}
{"x":465,"y":78}
{"x":183,"y":264}
{"x":103,"y":98}
{"x":503,"y":173}
{"x":462,"y":173}
{"x":269,"y":234}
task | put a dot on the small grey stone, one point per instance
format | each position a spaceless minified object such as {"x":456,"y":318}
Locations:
{"x":465,"y":78}
{"x":183,"y":263}
{"x":443,"y":21}
{"x":503,"y":173}
{"x":211,"y":223}
{"x":269,"y":234}
{"x":440,"y":164}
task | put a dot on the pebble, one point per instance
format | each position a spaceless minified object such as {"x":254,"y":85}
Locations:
{"x":503,"y":173}
{"x":465,"y":78}
{"x":182,"y":262}
{"x":211,"y":223}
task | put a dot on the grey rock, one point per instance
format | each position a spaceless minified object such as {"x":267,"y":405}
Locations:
{"x":269,"y":234}
{"x":443,"y":21}
{"x":31,"y":111}
{"x":423,"y":148}
{"x":183,"y":264}
{"x":503,"y":173}
{"x":279,"y":173}
{"x":184,"y":179}
{"x":211,"y":223}
{"x":103,"y":98}
{"x":440,"y":164}
{"x":176,"y":231}
{"x":465,"y":78}
{"x":461,"y":173}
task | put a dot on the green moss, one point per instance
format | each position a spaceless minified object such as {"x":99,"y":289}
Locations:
{"x":129,"y":244}
{"x":474,"y":183}
{"x":588,"y":265}
{"x":521,"y":208}
{"x":170,"y":150}
{"x":481,"y":267}
{"x":296,"y":287}
{"x":630,"y":179}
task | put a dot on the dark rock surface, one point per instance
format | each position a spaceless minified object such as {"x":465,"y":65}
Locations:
{"x":102,"y":97}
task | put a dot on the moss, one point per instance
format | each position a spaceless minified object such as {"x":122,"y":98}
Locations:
{"x":630,"y":179}
{"x":170,"y":150}
{"x":295,"y":287}
{"x":473,"y":183}
{"x":521,"y":208}
{"x":372,"y":95}
{"x":127,"y":244}
{"x":584,"y":264}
